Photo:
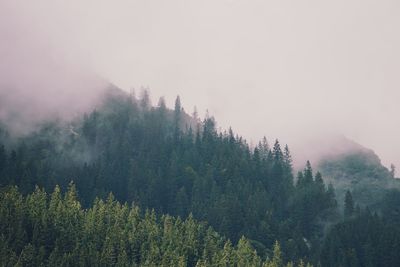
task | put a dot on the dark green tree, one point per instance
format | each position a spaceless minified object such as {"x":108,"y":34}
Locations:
{"x":348,"y":205}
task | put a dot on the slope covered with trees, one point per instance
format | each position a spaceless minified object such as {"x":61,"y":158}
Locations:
{"x":54,"y":230}
{"x":361,"y":171}
{"x":364,"y":238}
{"x":173,"y":163}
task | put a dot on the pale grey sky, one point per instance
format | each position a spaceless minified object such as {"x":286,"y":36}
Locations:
{"x":284,"y":69}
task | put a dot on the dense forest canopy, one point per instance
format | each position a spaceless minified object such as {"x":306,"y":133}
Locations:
{"x":361,"y":171}
{"x":54,"y":230}
{"x":174,"y":164}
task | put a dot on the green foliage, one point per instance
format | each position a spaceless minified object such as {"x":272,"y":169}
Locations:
{"x":348,"y":205}
{"x":364,"y":240}
{"x":151,"y":156}
{"x":54,"y":230}
{"x":361,"y":171}
{"x":170,"y":163}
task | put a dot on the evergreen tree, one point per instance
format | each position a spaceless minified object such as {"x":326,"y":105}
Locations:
{"x":308,"y":174}
{"x":392,"y":170}
{"x":145,"y":102}
{"x":109,"y":234}
{"x":287,"y":157}
{"x":348,"y":205}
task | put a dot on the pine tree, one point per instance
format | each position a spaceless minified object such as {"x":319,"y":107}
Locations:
{"x":246,"y":255}
{"x":145,"y":102}
{"x":319,"y":182}
{"x":392,"y":170}
{"x":308,"y":174}
{"x":161,"y":104}
{"x":287,"y":158}
{"x":277,"y":152}
{"x":162,"y":113}
{"x":177,"y":118}
{"x":277,"y":256}
{"x":300,"y":180}
{"x":177,"y":109}
{"x":227,"y":257}
{"x":348,"y":205}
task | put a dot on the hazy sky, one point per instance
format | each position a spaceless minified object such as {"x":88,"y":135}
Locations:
{"x":284,"y":69}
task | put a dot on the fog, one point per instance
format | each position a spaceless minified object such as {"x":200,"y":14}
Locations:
{"x":293,"y":70}
{"x":41,"y":76}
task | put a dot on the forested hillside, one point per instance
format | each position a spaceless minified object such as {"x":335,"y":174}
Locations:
{"x":173,"y":163}
{"x":54,"y":230}
{"x":361,"y":171}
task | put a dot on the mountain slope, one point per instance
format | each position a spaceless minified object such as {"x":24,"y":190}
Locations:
{"x":359,"y":170}
{"x":165,"y":160}
{"x":53,"y":230}
{"x":173,"y":163}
